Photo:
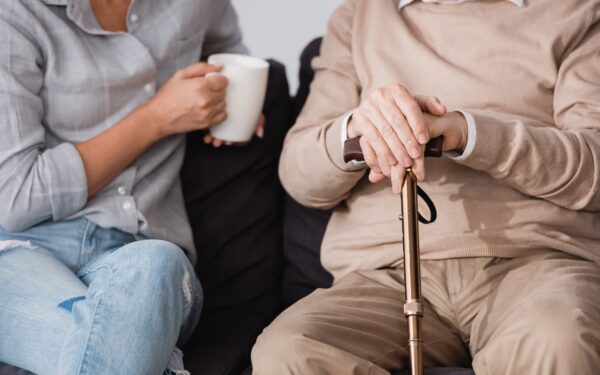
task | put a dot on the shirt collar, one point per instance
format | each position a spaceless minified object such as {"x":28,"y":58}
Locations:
{"x":403,"y":3}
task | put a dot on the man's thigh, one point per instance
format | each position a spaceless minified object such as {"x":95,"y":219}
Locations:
{"x":543,"y":317}
{"x":357,"y":326}
{"x":35,"y":299}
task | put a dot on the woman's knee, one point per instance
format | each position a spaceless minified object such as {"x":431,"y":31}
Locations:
{"x":157,"y":264}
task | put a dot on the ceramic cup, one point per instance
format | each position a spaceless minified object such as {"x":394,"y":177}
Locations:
{"x":245,"y":95}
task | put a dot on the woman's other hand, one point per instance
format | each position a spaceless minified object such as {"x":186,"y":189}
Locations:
{"x":259,"y":132}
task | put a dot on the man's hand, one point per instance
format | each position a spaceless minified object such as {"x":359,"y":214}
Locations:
{"x":393,"y":132}
{"x":452,"y":126}
{"x":189,"y":101}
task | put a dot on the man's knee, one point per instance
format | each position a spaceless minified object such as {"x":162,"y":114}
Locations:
{"x":566,"y":330}
{"x":560,"y":333}
{"x":282,"y":349}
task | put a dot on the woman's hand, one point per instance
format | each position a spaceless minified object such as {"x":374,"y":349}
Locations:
{"x":393,"y":132}
{"x":191,"y":100}
{"x":259,"y":132}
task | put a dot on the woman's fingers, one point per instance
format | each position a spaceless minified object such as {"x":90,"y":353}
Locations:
{"x":260,"y":128}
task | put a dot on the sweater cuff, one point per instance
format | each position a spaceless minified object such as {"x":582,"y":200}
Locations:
{"x":471,"y":136}
{"x":335,"y":148}
{"x":67,"y":181}
{"x":490,"y":141}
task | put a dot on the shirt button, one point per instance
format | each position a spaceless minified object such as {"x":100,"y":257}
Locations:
{"x":121,"y":190}
{"x":134,"y":17}
{"x":148,"y":87}
{"x":126,"y":206}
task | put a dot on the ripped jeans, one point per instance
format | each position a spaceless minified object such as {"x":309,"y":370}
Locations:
{"x":79,"y":299}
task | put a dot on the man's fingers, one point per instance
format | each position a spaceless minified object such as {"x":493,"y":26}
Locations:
{"x":419,"y":169}
{"x":431,"y":104}
{"x":386,"y":123}
{"x":413,"y":114}
{"x":408,"y":147}
{"x":397,"y":178}
{"x":385,"y":157}
{"x":369,"y":155}
{"x":199,"y":70}
{"x":375,"y":177}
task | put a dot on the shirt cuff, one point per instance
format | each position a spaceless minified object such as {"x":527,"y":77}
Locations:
{"x":471,"y":136}
{"x":344,"y":138}
{"x":67,"y":181}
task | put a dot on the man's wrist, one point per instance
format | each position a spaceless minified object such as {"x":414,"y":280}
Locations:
{"x":468,"y":136}
{"x":459,"y":119}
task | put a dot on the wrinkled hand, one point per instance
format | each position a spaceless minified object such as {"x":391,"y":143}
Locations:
{"x":191,"y":100}
{"x":394,"y":132}
{"x":259,"y":132}
{"x":452,"y":126}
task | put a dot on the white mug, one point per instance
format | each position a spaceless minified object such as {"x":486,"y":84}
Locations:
{"x":245,"y":95}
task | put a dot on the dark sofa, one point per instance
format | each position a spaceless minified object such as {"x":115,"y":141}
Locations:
{"x":268,"y":256}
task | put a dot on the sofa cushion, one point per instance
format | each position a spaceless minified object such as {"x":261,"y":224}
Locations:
{"x":235,"y":204}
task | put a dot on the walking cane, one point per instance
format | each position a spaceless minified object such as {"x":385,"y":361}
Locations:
{"x":413,"y":305}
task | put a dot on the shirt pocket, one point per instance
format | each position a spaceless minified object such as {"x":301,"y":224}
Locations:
{"x":180,"y":54}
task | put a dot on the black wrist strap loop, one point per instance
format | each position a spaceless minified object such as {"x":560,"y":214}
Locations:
{"x":430,"y":206}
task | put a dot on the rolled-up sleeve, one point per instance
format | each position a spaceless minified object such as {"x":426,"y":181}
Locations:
{"x":36,"y":183}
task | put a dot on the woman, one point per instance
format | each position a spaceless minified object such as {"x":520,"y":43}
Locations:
{"x":95,"y":99}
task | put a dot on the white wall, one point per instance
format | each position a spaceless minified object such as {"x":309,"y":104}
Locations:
{"x":282,"y":28}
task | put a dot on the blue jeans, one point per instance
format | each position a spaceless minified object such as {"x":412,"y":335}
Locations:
{"x":79,"y":299}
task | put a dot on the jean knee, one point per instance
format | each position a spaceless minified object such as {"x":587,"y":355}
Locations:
{"x":161,"y":264}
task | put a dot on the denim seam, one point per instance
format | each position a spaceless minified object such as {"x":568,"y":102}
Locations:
{"x":95,"y":315}
{"x":26,"y":314}
{"x":83,"y":240}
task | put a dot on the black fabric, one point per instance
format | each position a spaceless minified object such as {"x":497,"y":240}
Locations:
{"x":235,"y":205}
{"x":9,"y":370}
{"x":306,"y":74}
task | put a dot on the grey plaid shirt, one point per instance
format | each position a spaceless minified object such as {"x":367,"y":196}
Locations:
{"x":64,"y":80}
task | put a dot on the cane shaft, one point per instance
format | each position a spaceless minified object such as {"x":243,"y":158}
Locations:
{"x":413,"y":307}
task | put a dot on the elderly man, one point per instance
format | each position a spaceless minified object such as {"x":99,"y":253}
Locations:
{"x":510,"y":270}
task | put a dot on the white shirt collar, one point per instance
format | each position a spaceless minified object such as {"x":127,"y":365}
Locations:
{"x":404,"y":3}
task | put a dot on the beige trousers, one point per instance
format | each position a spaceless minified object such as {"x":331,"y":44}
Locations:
{"x":532,"y":315}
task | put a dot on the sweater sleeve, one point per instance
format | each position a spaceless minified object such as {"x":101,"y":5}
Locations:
{"x":557,"y":162}
{"x":312,"y":168}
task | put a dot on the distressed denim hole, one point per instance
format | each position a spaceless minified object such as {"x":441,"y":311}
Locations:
{"x":68,"y":304}
{"x":14,"y":244}
{"x":175,"y":366}
{"x":187,"y":287}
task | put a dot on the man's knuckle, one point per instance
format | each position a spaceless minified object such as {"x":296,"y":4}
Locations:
{"x":387,"y":131}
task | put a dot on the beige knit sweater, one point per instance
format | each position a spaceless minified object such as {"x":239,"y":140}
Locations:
{"x":530,"y":76}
